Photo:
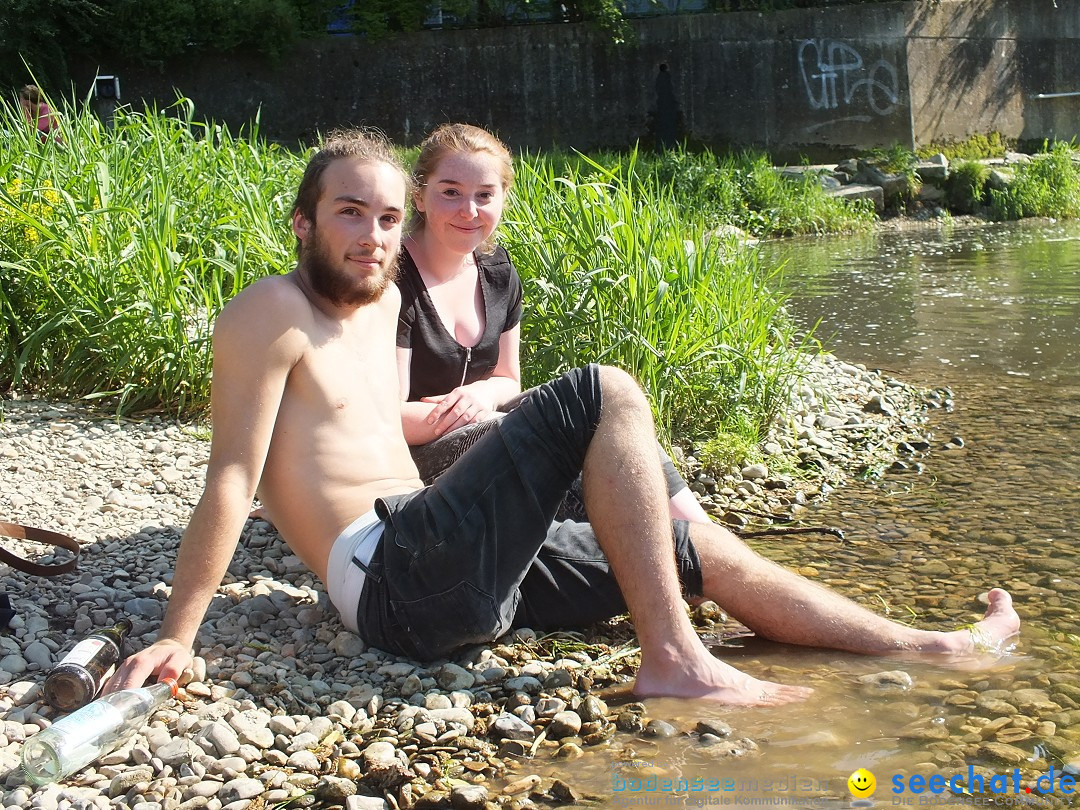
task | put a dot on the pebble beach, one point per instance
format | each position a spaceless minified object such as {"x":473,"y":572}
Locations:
{"x":284,"y":707}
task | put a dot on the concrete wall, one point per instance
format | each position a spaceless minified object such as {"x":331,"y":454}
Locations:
{"x":974,"y":65}
{"x":840,"y":78}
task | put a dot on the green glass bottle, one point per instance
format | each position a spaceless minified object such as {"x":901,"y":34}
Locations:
{"x":77,"y":679}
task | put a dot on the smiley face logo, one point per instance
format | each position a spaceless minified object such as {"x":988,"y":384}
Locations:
{"x":862,"y":784}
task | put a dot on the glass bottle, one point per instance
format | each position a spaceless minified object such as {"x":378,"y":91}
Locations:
{"x":74,"y":741}
{"x":77,"y":679}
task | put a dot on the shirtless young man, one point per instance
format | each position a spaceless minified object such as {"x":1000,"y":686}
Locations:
{"x":306,"y":414}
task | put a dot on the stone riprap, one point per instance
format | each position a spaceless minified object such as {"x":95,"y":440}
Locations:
{"x":283,"y":703}
{"x":919,"y":195}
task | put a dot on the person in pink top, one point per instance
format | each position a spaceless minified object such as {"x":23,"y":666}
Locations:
{"x":38,"y":112}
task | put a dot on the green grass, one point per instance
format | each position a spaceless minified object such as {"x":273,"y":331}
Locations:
{"x":119,"y":247}
{"x":965,"y":190}
{"x":1047,"y":186}
{"x":620,"y":276}
{"x":741,"y":189}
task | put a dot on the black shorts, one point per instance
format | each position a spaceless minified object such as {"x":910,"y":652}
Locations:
{"x":477,"y":552}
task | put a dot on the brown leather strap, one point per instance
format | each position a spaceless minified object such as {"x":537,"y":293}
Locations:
{"x":38,"y":536}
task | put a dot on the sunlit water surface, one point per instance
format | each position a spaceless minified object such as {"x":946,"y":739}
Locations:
{"x":992,"y":312}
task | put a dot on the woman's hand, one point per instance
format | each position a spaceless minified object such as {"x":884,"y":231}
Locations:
{"x":457,"y":409}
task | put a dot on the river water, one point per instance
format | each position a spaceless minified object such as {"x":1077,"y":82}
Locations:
{"x":993,"y":313}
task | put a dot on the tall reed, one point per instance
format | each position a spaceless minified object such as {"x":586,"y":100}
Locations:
{"x":617,"y":275}
{"x":119,"y":246}
{"x":742,"y":189}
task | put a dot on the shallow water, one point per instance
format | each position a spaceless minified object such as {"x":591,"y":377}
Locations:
{"x":992,"y":312}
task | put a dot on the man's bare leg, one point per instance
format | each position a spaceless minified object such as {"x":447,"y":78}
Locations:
{"x":626,"y":499}
{"x":780,"y":605}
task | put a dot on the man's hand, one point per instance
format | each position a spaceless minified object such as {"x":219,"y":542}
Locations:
{"x":457,"y":409}
{"x":162,"y":659}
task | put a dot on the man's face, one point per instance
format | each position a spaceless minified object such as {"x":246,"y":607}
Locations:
{"x":351,"y":257}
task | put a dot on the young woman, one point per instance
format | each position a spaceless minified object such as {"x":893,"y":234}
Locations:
{"x":458,"y":331}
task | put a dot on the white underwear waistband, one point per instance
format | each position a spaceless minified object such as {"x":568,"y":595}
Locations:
{"x":344,"y":578}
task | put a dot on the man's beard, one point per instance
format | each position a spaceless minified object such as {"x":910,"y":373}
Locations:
{"x":336,"y":284}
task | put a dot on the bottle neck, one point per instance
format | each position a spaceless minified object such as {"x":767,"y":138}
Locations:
{"x":156,"y":693}
{"x":164,"y":690}
{"x":118,"y":632}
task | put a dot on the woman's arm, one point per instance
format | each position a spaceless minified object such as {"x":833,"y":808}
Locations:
{"x":414,"y":415}
{"x":434,"y":416}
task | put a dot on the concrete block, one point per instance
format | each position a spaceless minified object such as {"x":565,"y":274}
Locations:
{"x":1000,"y":179}
{"x":861,"y":191}
{"x":933,"y":171}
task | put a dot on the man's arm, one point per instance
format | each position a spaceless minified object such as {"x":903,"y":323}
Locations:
{"x":257,"y":341}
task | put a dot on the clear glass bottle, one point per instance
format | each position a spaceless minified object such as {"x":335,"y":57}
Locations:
{"x":73,"y":742}
{"x":77,"y":679}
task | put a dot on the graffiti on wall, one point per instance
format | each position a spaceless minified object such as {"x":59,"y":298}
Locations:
{"x":835,"y":75}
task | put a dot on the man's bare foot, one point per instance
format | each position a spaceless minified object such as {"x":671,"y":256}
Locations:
{"x":991,"y":636}
{"x":708,"y":678}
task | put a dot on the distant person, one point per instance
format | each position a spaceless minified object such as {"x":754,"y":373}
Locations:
{"x":38,"y":113}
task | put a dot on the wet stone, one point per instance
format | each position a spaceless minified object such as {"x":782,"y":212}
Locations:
{"x":924,"y":731}
{"x":593,"y":708}
{"x":469,"y":797}
{"x":523,"y":785}
{"x":995,"y":706}
{"x":569,"y":751}
{"x":717,"y":728}
{"x":895,"y":680}
{"x":1033,"y":701}
{"x":564,"y":724}
{"x":660,"y":728}
{"x":433,"y":800}
{"x":1001,"y":753}
{"x":562,"y":793}
{"x":549,"y":707}
{"x":732,"y":748}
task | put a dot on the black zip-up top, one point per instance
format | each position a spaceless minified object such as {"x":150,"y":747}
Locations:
{"x":439,"y":363}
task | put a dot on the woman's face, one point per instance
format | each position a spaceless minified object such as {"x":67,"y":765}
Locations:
{"x":462,"y":201}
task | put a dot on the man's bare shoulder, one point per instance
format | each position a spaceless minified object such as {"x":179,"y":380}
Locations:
{"x":270,"y":308}
{"x":273,"y":297}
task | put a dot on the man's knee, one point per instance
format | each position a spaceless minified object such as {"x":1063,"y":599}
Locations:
{"x":621,"y":391}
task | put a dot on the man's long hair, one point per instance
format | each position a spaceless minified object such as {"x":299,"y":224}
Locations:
{"x":365,"y":145}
